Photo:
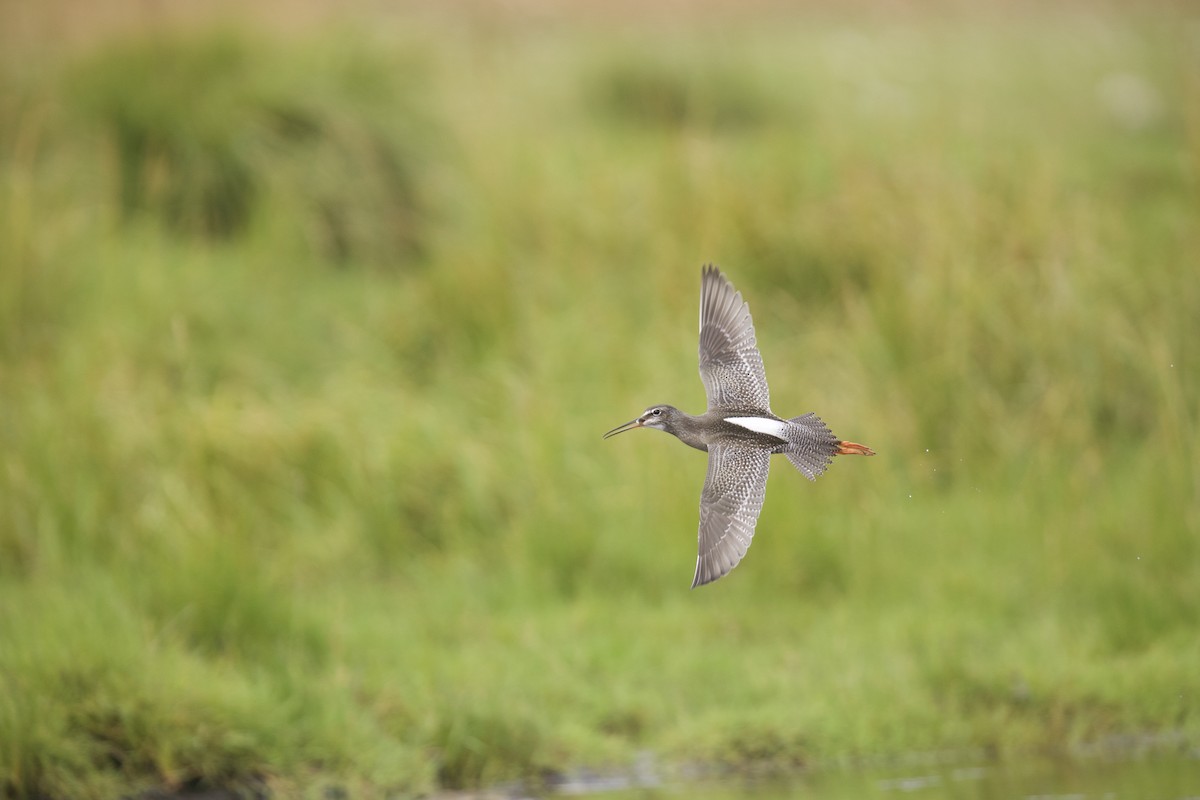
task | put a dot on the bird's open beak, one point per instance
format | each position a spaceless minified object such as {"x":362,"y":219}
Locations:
{"x":628,"y":426}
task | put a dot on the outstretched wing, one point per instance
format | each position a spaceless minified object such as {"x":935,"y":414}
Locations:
{"x":730,"y":364}
{"x":733,"y":494}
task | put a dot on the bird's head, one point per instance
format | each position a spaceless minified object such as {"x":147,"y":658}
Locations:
{"x":653,"y":417}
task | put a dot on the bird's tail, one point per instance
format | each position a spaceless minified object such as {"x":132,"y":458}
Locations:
{"x":811,"y":445}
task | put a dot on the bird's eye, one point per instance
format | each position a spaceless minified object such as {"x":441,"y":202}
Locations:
{"x":657,"y":412}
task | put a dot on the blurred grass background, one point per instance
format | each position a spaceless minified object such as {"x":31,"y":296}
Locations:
{"x":309,"y":328}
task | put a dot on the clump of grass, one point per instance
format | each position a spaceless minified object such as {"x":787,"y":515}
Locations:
{"x":210,"y":131}
{"x":656,"y":92}
{"x":178,"y":113}
{"x":474,"y":749}
{"x":89,"y":712}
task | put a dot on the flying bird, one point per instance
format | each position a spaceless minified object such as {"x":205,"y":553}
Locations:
{"x":739,"y":431}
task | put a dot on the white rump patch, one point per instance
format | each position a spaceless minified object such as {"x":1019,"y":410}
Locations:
{"x":771,"y":427}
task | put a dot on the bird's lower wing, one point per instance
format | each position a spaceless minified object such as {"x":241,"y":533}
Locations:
{"x":733,"y":494}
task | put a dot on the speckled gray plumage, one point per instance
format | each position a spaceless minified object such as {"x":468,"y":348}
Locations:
{"x":739,"y":431}
{"x":811,"y":445}
{"x":736,"y":383}
{"x":730,"y":364}
{"x":733,"y":494}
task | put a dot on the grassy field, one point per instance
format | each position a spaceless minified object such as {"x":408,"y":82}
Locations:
{"x":307,"y":342}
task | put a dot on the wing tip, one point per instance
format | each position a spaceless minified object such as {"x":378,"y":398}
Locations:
{"x":719,"y":299}
{"x":711,"y":272}
{"x":713,"y":570}
{"x":699,"y":580}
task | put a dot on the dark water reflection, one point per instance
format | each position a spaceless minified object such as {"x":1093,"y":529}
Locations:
{"x":1160,"y":777}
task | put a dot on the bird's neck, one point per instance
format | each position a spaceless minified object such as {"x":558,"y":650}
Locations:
{"x":691,"y":431}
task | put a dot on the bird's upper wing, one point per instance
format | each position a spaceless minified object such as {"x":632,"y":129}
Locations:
{"x":730,"y":364}
{"x":733,"y":494}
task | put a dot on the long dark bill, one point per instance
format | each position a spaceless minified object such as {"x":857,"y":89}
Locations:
{"x":628,"y":426}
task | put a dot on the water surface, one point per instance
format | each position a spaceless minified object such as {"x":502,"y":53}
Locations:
{"x":1175,"y":777}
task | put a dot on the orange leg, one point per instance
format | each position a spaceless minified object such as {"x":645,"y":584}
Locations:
{"x":854,"y":449}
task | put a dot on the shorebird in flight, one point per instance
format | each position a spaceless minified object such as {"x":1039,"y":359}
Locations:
{"x":739,"y":431}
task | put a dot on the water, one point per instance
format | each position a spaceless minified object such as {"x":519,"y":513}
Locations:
{"x":1160,"y":777}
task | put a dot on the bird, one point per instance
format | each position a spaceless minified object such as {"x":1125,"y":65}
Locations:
{"x":739,"y":431}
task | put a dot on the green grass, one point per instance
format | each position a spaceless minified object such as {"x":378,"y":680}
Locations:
{"x":306,"y":346}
